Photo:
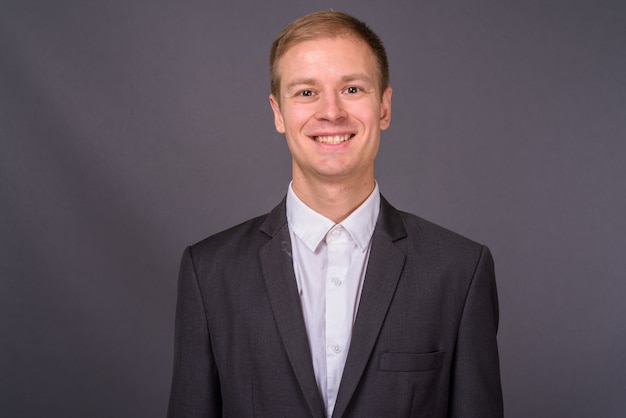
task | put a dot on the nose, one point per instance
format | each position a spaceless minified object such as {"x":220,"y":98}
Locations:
{"x":330,"y":107}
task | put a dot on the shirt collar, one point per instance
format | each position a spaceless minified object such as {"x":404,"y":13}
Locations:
{"x":311,"y":227}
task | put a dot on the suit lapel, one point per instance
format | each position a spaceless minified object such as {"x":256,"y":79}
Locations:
{"x":280,"y":281}
{"x":383,"y":272}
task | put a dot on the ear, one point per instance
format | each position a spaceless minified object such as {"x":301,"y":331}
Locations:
{"x":385,"y":109}
{"x":279,"y":122}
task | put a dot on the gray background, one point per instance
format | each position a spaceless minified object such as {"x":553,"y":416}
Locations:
{"x":129,"y":129}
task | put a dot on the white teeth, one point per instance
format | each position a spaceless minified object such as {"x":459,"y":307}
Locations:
{"x":336,"y":139}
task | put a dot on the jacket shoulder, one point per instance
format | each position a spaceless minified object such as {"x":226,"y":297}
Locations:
{"x":438,"y":240}
{"x":251,"y":231}
{"x":231,"y":239}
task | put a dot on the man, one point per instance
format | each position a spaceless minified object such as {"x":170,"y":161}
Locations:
{"x":335,"y":303}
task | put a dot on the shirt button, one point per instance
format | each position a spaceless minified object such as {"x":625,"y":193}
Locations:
{"x":336,"y":281}
{"x":336,"y":348}
{"x":335,"y":233}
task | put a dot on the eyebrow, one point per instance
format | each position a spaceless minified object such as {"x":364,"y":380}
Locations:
{"x":306,"y":81}
{"x":299,"y":82}
{"x":357,"y":76}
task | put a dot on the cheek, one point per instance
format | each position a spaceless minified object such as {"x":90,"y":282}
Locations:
{"x":294,"y":120}
{"x":370,"y":119}
{"x":368,"y":113}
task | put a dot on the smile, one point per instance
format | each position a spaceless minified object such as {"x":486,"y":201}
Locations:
{"x":333,"y":139}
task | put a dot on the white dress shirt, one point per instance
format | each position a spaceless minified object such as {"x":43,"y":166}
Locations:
{"x":329,"y":261}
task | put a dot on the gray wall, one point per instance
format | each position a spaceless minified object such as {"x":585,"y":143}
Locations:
{"x":129,"y":129}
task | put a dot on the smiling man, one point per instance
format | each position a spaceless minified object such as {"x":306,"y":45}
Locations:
{"x":331,"y":105}
{"x":335,"y":303}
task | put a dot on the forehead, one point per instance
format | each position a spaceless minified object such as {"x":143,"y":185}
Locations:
{"x":321,"y":55}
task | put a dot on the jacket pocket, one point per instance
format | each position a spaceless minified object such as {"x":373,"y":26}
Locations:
{"x":411,"y":362}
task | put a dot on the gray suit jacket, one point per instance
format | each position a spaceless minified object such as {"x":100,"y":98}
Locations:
{"x":423,"y":343}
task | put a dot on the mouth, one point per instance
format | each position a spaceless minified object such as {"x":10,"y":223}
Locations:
{"x":333,"y":139}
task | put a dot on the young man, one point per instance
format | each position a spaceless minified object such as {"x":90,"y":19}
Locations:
{"x":335,"y":303}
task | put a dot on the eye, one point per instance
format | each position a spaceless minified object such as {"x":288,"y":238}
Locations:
{"x":352,"y":90}
{"x":306,"y":93}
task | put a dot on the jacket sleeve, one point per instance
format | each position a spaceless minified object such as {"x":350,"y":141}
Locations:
{"x":195,"y":390}
{"x":475,"y":385}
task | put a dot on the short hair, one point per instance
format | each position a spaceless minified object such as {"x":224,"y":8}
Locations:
{"x":326,"y":24}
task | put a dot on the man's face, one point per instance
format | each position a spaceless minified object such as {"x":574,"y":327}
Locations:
{"x":330,"y":109}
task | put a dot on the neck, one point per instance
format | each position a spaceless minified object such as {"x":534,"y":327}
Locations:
{"x":336,"y":201}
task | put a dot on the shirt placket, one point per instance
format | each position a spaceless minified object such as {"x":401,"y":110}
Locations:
{"x":338,"y":319}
